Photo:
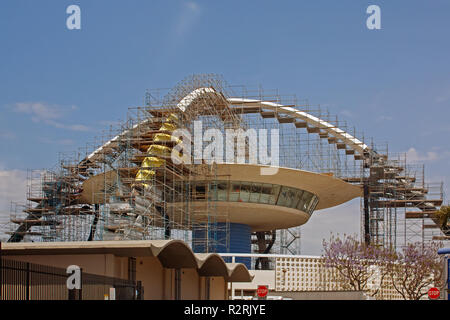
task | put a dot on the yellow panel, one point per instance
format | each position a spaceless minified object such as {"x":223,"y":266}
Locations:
{"x":159,"y":150}
{"x":166,"y":137}
{"x":152,"y":162}
{"x":172,"y":118}
{"x":168,"y":126}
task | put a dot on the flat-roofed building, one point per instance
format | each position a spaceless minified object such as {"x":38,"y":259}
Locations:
{"x":167,"y":269}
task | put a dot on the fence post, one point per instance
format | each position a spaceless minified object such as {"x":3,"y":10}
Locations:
{"x":80,"y":295}
{"x":28,"y":282}
{"x":139,"y":294}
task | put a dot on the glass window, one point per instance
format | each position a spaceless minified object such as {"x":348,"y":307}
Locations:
{"x":266,"y":192}
{"x":212,"y":191}
{"x":287,"y":197}
{"x":245,"y":191}
{"x":255,"y":192}
{"x":200,"y":191}
{"x":222,"y":190}
{"x":282,"y":198}
{"x":235,"y":190}
{"x":298,"y":198}
{"x":306,"y":198}
{"x":313,"y":206}
{"x":293,"y":194}
{"x":274,"y":194}
{"x":310,"y":204}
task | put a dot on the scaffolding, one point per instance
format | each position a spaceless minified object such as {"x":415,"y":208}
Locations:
{"x":125,"y":185}
{"x":398,"y":206}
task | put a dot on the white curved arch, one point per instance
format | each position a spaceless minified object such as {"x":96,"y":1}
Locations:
{"x":189,"y":99}
{"x":113,"y":143}
{"x":346,"y":138}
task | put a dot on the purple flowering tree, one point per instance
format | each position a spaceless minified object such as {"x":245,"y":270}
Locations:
{"x":417,"y":267}
{"x":357,"y":262}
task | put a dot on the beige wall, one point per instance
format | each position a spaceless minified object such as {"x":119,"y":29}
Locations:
{"x":218,"y":289}
{"x":169,"y":284}
{"x":190,"y":289}
{"x":101,"y":264}
{"x":150,"y":271}
{"x":121,"y":267}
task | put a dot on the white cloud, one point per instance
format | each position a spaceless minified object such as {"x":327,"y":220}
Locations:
{"x":38,"y":111}
{"x":13,"y":185}
{"x":412,"y":155}
{"x":189,"y":15}
{"x":384,"y":118}
{"x":73,"y":127}
{"x":49,"y":114}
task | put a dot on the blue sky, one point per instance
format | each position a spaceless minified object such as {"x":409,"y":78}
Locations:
{"x":60,"y":88}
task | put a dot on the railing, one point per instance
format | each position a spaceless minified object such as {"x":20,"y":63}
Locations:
{"x":28,"y":281}
{"x":231,"y":257}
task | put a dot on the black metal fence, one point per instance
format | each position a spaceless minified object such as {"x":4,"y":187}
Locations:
{"x":28,"y":281}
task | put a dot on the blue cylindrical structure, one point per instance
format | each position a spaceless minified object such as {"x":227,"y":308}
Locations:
{"x":215,"y":236}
